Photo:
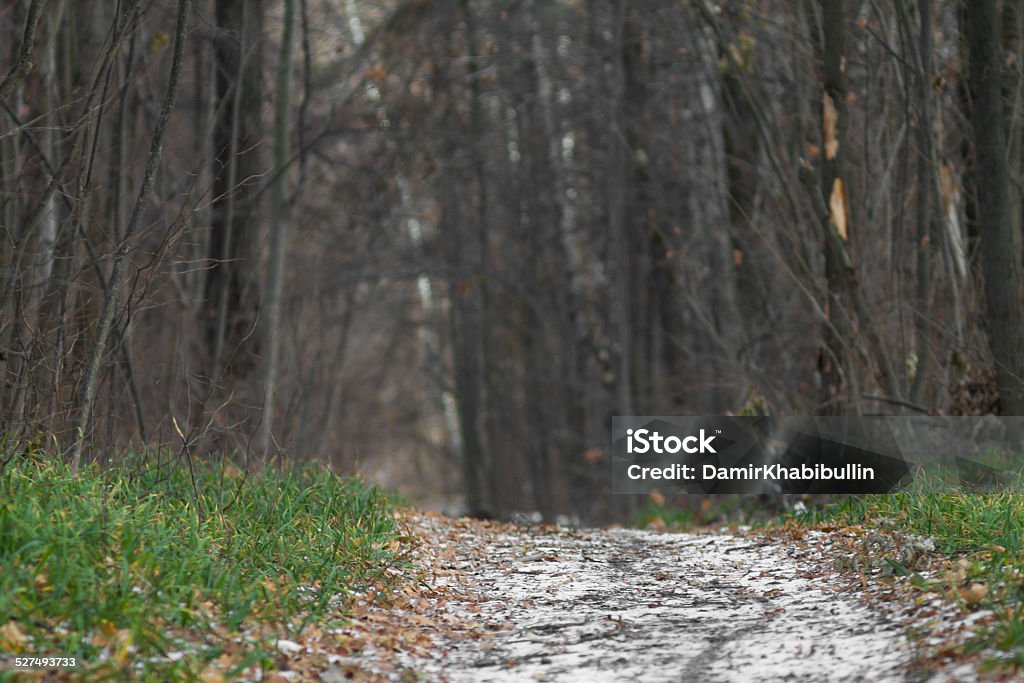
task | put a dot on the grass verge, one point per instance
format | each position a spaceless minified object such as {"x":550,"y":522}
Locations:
{"x":977,"y":540}
{"x":146,"y":572}
{"x":982,"y":538}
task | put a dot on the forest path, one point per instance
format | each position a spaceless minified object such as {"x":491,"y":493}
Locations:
{"x":642,"y":606}
{"x":509,"y":603}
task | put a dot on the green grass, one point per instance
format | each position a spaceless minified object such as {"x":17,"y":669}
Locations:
{"x":120,"y":567}
{"x":984,"y":530}
{"x":673,"y":514}
{"x":981,"y":535}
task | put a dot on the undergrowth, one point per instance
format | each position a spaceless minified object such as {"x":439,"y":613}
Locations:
{"x":153,"y":572}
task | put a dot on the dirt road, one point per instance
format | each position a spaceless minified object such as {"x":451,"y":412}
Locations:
{"x":540,"y":604}
{"x":635,"y":605}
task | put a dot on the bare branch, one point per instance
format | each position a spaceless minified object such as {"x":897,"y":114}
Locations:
{"x":25,"y":62}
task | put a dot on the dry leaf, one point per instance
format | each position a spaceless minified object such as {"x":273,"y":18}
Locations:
{"x":376,"y":73}
{"x":837,"y":207}
{"x":657,"y":524}
{"x":974,"y":593}
{"x":830,"y":126}
{"x":11,"y":637}
{"x":159,"y":42}
{"x":108,"y":628}
{"x":212,"y":676}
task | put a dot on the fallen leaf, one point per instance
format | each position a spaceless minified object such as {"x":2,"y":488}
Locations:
{"x":657,"y":524}
{"x":974,"y":593}
{"x":12,"y":638}
{"x":213,"y":676}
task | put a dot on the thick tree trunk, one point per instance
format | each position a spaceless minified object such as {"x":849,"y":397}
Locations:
{"x":838,"y":377}
{"x":231,"y":298}
{"x":278,"y":228}
{"x":1000,"y":262}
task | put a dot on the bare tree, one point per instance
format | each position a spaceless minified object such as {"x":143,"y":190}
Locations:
{"x":278,"y":226}
{"x":112,"y":299}
{"x":232,"y":298}
{"x":1000,"y":261}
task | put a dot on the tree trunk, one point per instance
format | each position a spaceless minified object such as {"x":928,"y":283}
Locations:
{"x":231,"y":300}
{"x":278,"y":227}
{"x":926,"y":209}
{"x":837,"y":373}
{"x":1000,"y":262}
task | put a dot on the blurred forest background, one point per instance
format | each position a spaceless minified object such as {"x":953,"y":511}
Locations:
{"x":442,"y":242}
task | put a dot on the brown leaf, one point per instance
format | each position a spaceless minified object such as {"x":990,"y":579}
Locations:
{"x":11,"y":637}
{"x":376,"y":73}
{"x":657,"y":524}
{"x":974,"y":593}
{"x":830,"y":126}
{"x":838,"y":208}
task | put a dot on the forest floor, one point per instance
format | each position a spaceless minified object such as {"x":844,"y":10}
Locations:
{"x":303,"y":576}
{"x":500,"y":602}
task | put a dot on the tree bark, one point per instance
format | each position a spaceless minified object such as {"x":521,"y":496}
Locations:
{"x":838,"y":379}
{"x":1000,"y":262}
{"x":927,"y":207}
{"x":231,"y":299}
{"x":278,"y":226}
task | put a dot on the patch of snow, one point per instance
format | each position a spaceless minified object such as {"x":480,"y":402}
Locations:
{"x":628,"y":605}
{"x":288,"y":647}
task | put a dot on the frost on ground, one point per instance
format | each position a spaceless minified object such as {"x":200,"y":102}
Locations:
{"x":520,"y":604}
{"x":643,"y":606}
